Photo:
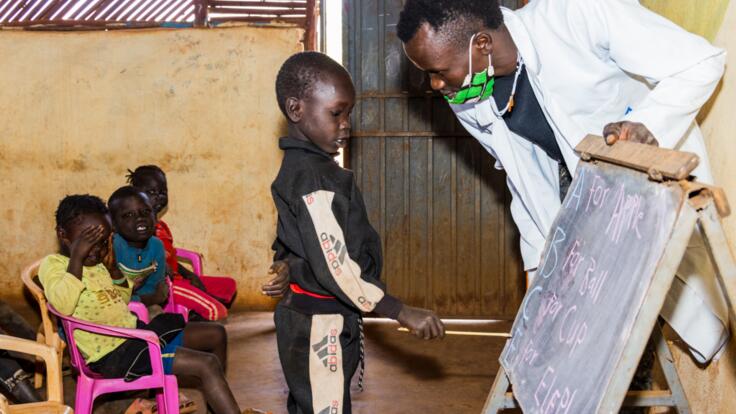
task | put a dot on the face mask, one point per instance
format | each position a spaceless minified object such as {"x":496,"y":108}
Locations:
{"x":476,"y":86}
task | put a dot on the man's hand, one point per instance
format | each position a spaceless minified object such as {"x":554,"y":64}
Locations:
{"x":422,"y":322}
{"x":628,"y":131}
{"x":277,"y":286}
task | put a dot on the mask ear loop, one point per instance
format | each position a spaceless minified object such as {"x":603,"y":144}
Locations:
{"x":469,"y":77}
{"x":491,"y":70}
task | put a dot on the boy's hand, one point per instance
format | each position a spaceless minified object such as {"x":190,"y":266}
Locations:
{"x":80,"y":248}
{"x":137,"y":283}
{"x":111,"y":263}
{"x":89,"y":237}
{"x":191,"y":277}
{"x":422,"y":322}
{"x":277,"y":286}
{"x":160,"y":296}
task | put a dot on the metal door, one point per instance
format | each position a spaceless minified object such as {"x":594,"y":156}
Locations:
{"x":431,"y":190}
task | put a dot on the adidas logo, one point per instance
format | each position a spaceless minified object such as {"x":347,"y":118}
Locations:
{"x":334,"y":408}
{"x":335,"y":252}
{"x":326,"y":350}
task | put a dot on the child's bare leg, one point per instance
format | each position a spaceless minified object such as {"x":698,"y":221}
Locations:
{"x":209,"y":337}
{"x":206,"y":368}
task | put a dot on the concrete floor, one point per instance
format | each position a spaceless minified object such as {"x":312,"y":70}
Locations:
{"x":403,"y":374}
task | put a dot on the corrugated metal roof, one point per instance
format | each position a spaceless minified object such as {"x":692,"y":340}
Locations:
{"x":25,"y":13}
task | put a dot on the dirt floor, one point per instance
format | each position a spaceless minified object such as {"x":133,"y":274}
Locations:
{"x":403,"y":374}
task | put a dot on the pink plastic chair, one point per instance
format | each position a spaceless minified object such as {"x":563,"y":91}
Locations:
{"x":193,"y":257}
{"x":91,"y":385}
{"x":196,"y":260}
{"x":172,"y":307}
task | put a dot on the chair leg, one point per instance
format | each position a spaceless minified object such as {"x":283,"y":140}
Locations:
{"x":85,"y":396}
{"x":169,"y":395}
{"x":37,"y":376}
{"x":40,"y":365}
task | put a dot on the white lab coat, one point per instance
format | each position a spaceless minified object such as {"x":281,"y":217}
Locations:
{"x":589,"y":63}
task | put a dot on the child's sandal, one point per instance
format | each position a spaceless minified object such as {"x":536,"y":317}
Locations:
{"x":186,"y":405}
{"x":141,"y":406}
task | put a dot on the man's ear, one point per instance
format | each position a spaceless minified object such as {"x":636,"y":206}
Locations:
{"x":483,"y":42}
{"x":294,"y":109}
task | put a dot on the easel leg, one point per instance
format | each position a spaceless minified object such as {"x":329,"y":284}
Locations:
{"x":675,"y":395}
{"x":720,"y":255}
{"x":667,"y":363}
{"x":496,"y":400}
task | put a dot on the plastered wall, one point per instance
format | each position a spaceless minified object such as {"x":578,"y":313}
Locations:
{"x":78,"y":109}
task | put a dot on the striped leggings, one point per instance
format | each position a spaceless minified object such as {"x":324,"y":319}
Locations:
{"x":206,"y":304}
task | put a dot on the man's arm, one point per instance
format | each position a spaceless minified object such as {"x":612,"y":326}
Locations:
{"x":683,"y":67}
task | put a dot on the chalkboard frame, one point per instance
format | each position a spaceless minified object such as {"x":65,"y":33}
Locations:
{"x":704,"y":205}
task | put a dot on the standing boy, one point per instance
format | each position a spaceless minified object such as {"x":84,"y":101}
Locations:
{"x":323,"y":232}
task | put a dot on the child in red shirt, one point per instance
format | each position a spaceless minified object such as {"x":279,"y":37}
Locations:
{"x":205,"y":295}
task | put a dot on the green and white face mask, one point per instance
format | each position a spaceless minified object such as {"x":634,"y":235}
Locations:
{"x":476,"y":86}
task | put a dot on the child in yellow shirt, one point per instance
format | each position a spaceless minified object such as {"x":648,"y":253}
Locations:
{"x":76,"y":283}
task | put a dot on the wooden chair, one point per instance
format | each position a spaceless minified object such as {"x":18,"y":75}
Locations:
{"x":47,"y":331}
{"x":55,"y":402}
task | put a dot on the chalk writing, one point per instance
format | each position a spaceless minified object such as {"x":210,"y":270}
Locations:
{"x":596,"y":266}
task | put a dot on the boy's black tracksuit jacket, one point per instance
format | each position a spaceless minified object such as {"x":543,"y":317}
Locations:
{"x":324,"y":233}
{"x":334,"y":258}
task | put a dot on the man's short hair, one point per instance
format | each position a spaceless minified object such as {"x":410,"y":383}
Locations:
{"x":300,"y":72}
{"x":456,"y":20}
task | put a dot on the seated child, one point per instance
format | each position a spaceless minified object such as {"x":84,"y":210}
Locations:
{"x":76,"y":283}
{"x":139,"y":255}
{"x":205,"y":295}
{"x":324,"y":235}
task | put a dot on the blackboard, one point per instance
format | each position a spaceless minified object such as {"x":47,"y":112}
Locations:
{"x":599,"y":261}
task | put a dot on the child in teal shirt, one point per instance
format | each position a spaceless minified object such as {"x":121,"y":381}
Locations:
{"x":140,"y":256}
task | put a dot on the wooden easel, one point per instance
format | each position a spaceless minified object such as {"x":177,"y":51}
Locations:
{"x":705,"y":206}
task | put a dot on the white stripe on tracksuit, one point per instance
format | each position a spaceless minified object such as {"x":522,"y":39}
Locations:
{"x":193,"y":296}
{"x":325,"y":364}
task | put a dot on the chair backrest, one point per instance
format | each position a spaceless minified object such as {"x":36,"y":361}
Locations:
{"x":75,"y":356}
{"x":30,"y":280}
{"x":49,"y":356}
{"x":192,"y":257}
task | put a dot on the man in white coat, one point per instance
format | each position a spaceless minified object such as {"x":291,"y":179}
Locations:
{"x":530,"y":84}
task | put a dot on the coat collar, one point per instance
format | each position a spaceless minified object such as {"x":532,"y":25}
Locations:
{"x":521,"y":38}
{"x":288,"y":143}
{"x":485,"y":115}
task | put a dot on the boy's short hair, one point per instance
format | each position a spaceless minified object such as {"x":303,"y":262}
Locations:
{"x":300,"y":72}
{"x":135,"y":177}
{"x":456,"y":20}
{"x":73,"y":206}
{"x":121,"y":193}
